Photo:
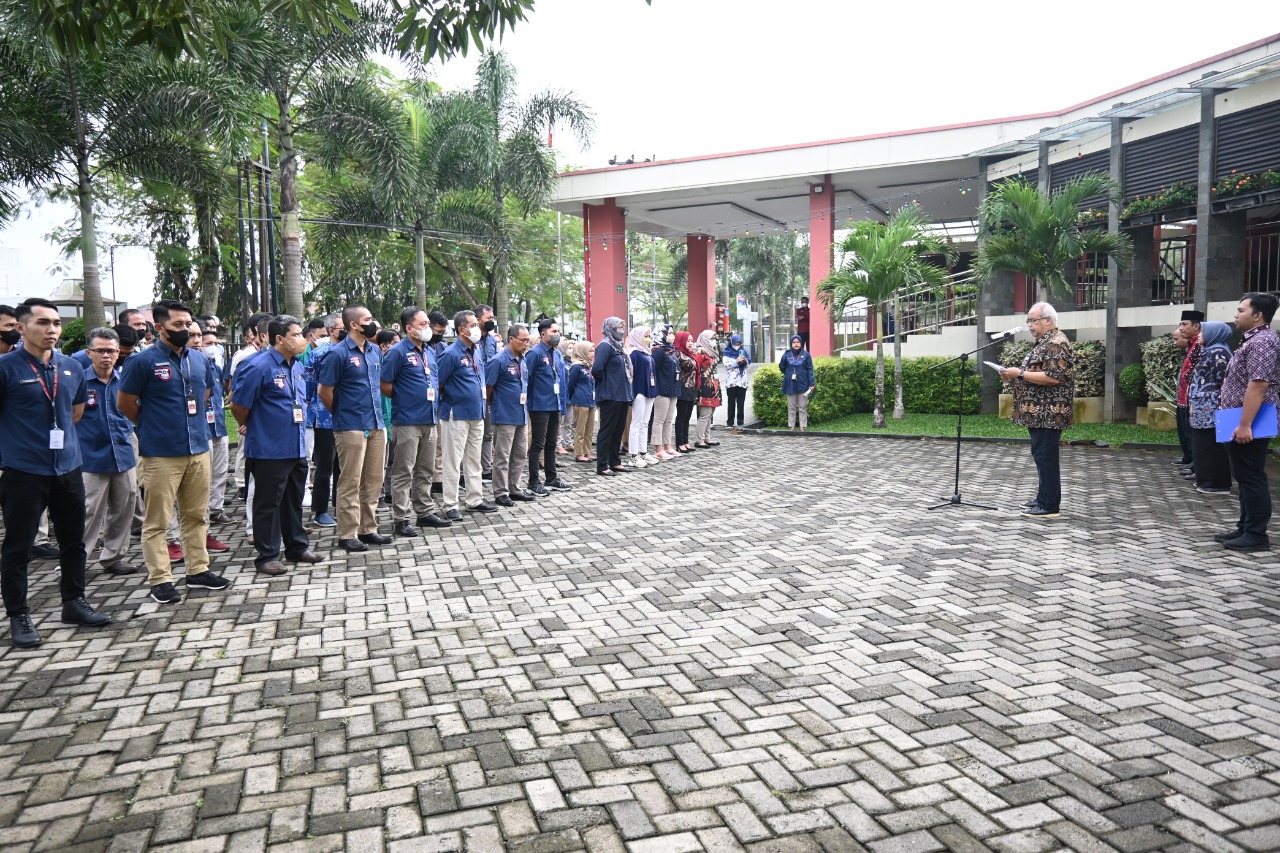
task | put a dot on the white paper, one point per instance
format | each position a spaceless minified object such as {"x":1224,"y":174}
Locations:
{"x":996,"y":367}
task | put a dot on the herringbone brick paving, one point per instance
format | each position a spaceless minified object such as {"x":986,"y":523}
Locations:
{"x":772,"y":646}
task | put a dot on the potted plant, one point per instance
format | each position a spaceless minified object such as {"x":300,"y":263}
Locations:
{"x":1161,"y":361}
{"x":1133,"y":385}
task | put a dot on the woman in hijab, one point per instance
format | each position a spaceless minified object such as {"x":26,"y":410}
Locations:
{"x":1212,"y":467}
{"x":582,"y":399}
{"x":612,"y":372}
{"x":667,"y":368}
{"x":736,"y":360}
{"x":565,"y":444}
{"x":707,"y":354}
{"x":798,"y":382}
{"x":688,"y":390}
{"x":644,"y":382}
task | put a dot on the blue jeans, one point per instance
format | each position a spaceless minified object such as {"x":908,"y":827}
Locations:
{"x":1044,"y":450}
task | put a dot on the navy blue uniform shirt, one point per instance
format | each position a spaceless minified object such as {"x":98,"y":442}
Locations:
{"x":217,"y":414}
{"x":164,"y":381}
{"x":354,"y":376}
{"x":505,"y":374}
{"x":644,"y":379}
{"x":667,"y":368}
{"x":610,"y":372}
{"x":272,"y":391}
{"x":104,"y":431}
{"x":543,"y":363}
{"x":461,"y":384}
{"x":582,"y":387}
{"x":412,"y":374}
{"x":82,"y":356}
{"x":33,"y":398}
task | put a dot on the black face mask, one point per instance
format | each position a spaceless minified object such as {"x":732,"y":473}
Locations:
{"x":489,"y":326}
{"x":11,"y":337}
{"x":178,"y":338}
{"x":369,"y":330}
{"x":436,"y":338}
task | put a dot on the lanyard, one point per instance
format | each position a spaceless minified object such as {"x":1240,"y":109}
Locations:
{"x":53,"y":398}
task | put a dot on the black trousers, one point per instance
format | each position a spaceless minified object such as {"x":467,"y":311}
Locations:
{"x":23,"y":498}
{"x":1213,"y":467}
{"x":804,"y":339}
{"x":544,"y":429}
{"x":1044,"y":450}
{"x":1184,"y":435}
{"x":277,"y":508}
{"x":613,"y":414}
{"x":325,"y":453}
{"x":684,"y":411}
{"x":737,"y":403}
{"x":1249,"y":465}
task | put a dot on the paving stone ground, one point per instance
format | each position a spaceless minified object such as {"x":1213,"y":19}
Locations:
{"x":772,"y":646}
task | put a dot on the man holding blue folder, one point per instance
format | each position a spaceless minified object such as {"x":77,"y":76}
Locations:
{"x":1252,"y":381}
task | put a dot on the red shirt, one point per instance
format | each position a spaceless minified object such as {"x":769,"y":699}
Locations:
{"x":802,"y":320}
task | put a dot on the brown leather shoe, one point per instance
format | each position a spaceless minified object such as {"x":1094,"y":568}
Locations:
{"x":275,"y":567}
{"x":307,"y":557}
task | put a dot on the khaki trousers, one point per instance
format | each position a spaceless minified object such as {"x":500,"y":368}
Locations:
{"x":664,"y":422}
{"x":218,"y":453}
{"x":111,"y":498}
{"x":510,"y":446}
{"x":583,"y":430}
{"x":461,"y":440}
{"x":184,"y":479}
{"x":798,"y":408}
{"x":412,"y":466}
{"x":361,"y":461}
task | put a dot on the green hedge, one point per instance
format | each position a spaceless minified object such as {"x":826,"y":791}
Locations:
{"x":846,"y":386}
{"x":1090,"y":365}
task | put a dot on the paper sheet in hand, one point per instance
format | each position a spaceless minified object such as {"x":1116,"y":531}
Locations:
{"x":996,"y":367}
{"x":1264,"y":425}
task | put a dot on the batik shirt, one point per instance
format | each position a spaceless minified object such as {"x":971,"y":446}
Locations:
{"x":1047,"y":406}
{"x":1257,"y":359}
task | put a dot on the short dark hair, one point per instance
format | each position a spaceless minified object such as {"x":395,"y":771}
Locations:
{"x":436,"y":317}
{"x":460,"y":318}
{"x":25,"y":309}
{"x":8,"y":311}
{"x":1262,"y":302}
{"x":385,"y":336}
{"x":314,"y":323}
{"x":545,"y":323}
{"x":202,"y":319}
{"x":251,"y":325}
{"x":127,"y":335}
{"x":408,"y":314}
{"x":124,"y":315}
{"x":804,"y":299}
{"x":481,"y":308}
{"x":101,"y":332}
{"x":279,"y":325}
{"x":515,"y":329}
{"x":162,"y":309}
{"x":350,"y":314}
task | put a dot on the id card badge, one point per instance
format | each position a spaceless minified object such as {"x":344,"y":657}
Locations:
{"x":56,"y":438}
{"x":208,"y":416}
{"x":431,"y":394}
{"x":653,"y":380}
{"x":297,"y":414}
{"x":793,"y":377}
{"x":191,"y":407}
{"x":555,"y":388}
{"x":524,"y":398}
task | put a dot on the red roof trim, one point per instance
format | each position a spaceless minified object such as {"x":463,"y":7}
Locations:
{"x":888,"y":135}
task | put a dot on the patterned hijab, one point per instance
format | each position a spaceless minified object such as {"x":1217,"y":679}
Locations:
{"x":611,"y":325}
{"x":665,"y":339}
{"x":707,"y":343}
{"x":581,"y":354}
{"x":635,"y":340}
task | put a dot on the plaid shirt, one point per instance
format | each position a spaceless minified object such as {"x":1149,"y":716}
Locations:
{"x":1257,"y":359}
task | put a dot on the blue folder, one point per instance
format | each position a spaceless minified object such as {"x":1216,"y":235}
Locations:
{"x":1264,"y":425}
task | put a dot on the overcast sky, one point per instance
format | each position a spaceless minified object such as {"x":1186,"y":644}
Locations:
{"x":685,"y":77}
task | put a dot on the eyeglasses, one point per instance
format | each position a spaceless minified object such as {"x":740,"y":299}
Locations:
{"x":524,"y":340}
{"x":104,"y":351}
{"x":1031,"y":321}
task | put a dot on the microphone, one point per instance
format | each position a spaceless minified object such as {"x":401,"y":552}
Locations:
{"x":1000,"y":336}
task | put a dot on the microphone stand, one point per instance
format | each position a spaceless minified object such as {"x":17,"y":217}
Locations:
{"x":963,"y":358}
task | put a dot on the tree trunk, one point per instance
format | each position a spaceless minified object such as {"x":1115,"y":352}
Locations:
{"x":898,"y":412}
{"x":419,"y":268}
{"x":290,"y":228}
{"x":208,"y":278}
{"x":91,"y":285}
{"x":877,"y":415}
{"x":498,"y":284}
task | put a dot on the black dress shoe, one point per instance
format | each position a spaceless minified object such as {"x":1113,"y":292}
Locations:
{"x":44,"y":552}
{"x":353,"y":545}
{"x":607,"y":472}
{"x":78,"y":612}
{"x":375,"y":539}
{"x":503,"y":500}
{"x":433,"y":520}
{"x":1230,"y":534}
{"x":306,"y":557}
{"x":1029,"y":503}
{"x":482,"y":507}
{"x":22,"y":632}
{"x":522,"y":495}
{"x":437,"y":488}
{"x":404,"y":528}
{"x":453,"y":515}
{"x":1246,"y":542}
{"x":713,"y":444}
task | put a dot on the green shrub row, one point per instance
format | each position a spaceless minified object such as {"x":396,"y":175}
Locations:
{"x":1090,"y":358}
{"x":846,"y":386}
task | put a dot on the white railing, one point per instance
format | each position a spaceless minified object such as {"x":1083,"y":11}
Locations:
{"x":928,"y":308}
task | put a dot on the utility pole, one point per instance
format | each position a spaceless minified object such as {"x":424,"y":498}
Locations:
{"x":271,"y":225}
{"x":559,"y":255}
{"x":654,"y":321}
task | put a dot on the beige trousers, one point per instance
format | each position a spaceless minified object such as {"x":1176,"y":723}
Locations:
{"x":362,"y":461}
{"x":461,"y":440}
{"x":584,"y":428}
{"x":184,"y":479}
{"x":664,"y":422}
{"x":412,"y":466}
{"x":109,"y":498}
{"x":510,"y":455}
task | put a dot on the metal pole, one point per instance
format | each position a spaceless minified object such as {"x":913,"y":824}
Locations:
{"x":560,"y":264}
{"x":244,"y":283}
{"x":112,"y":253}
{"x":254,"y":269}
{"x":654,"y":322}
{"x":271,"y":225}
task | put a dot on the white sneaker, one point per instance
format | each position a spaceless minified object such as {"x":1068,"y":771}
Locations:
{"x":651,"y":459}
{"x":638,"y":462}
{"x":306,"y":498}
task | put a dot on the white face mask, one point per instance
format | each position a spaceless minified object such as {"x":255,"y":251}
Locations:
{"x":474,"y":334}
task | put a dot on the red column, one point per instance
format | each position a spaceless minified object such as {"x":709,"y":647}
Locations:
{"x":702,"y":283}
{"x":605,"y":260}
{"x":822,"y":237}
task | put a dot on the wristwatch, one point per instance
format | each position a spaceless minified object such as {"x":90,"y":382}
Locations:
{"x":1021,"y":372}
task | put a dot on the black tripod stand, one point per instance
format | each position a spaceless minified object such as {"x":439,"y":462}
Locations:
{"x":963,"y":358}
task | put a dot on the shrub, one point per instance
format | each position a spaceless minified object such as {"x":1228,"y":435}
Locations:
{"x":846,"y":386}
{"x":1133,"y":383}
{"x":1161,"y":361}
{"x":1090,"y":365}
{"x":72,"y":339}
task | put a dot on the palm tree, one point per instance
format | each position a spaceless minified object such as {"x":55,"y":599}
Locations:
{"x":525,"y":169}
{"x":1039,"y":235}
{"x":880,"y":259}
{"x":772,"y":269}
{"x":76,"y":116}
